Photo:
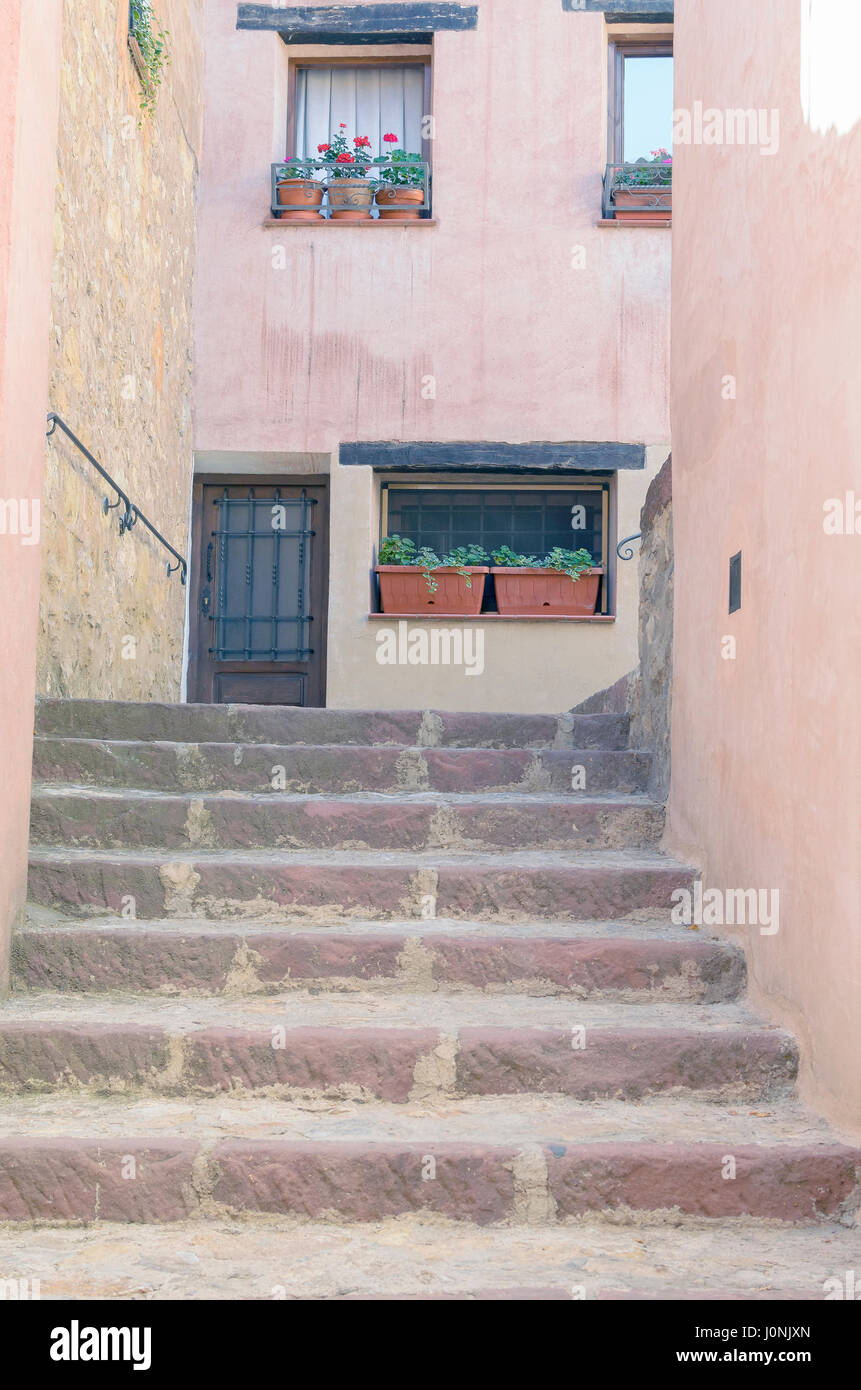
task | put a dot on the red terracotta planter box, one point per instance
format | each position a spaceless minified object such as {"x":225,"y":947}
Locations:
{"x":537,"y":593}
{"x":404,"y":591}
{"x":641,"y":206}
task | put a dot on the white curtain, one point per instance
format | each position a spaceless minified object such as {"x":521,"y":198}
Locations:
{"x":371,"y":101}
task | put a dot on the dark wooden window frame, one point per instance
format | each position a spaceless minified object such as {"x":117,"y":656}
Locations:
{"x":606,"y":485}
{"x":618,"y":50}
{"x":424,"y":60}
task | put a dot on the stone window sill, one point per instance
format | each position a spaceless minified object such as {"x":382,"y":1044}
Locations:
{"x":634,"y":226}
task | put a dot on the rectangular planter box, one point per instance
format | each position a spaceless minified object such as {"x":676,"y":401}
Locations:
{"x":537,"y":593}
{"x":404,"y":591}
{"x":639,"y":206}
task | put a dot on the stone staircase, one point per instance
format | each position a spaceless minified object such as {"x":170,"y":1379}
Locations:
{"x":344,"y":1004}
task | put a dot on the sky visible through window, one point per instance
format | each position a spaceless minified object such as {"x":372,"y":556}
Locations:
{"x":648,"y":106}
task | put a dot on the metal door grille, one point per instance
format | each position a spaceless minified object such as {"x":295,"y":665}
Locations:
{"x":263,"y":549}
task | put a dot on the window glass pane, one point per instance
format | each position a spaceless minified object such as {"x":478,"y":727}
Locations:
{"x":531,"y":522}
{"x":648,"y":110}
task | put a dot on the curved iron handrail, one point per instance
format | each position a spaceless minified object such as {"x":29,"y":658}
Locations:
{"x":131,"y":514}
{"x":624,"y":549}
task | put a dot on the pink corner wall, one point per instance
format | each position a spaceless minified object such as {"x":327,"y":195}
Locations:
{"x":766,"y":786}
{"x":521,"y":344}
{"x":29,"y":96}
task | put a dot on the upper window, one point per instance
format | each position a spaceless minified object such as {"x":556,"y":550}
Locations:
{"x":641,"y":108}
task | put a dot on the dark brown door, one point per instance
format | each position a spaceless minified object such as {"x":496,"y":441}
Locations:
{"x":259,"y":585}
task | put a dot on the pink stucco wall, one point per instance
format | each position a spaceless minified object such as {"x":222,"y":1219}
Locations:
{"x":29,"y":95}
{"x":522,"y":345}
{"x":766,"y":785}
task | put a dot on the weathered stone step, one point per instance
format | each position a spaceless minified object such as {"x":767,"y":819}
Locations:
{"x":236,"y":960}
{"x":219,"y":886}
{"x":104,"y":820}
{"x":115,"y":719}
{"x":416,"y":1257}
{"x":390,"y":1047}
{"x":257,"y":767}
{"x":86,"y":1179}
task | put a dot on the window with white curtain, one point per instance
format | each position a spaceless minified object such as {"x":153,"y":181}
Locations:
{"x":372,"y":101}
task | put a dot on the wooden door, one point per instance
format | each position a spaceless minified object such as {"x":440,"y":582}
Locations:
{"x":259,"y":587}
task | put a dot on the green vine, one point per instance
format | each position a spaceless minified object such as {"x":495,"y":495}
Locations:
{"x":154,"y":52}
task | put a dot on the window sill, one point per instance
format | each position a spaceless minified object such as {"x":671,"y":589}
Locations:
{"x":636,"y":226}
{"x":493,"y":617}
{"x":366,"y":222}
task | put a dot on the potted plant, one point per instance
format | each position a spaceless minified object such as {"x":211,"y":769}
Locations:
{"x":643,"y":192}
{"x":298,"y":192}
{"x":414,"y":580}
{"x":403,"y":176}
{"x":566,"y":583}
{"x":350,"y":193}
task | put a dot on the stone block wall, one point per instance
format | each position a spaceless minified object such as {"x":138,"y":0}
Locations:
{"x":123,"y":203}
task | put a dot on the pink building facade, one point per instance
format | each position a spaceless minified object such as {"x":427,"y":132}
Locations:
{"x":508,"y":349}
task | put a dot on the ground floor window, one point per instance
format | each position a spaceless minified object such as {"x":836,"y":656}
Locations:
{"x":529,"y":519}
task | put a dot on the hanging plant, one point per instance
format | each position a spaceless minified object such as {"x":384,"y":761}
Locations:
{"x":150,"y":50}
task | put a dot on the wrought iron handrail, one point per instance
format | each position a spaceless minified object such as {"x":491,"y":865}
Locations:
{"x":131,"y":514}
{"x":309,"y":170}
{"x":627,"y":177}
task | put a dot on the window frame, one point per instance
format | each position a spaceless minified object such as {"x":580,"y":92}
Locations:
{"x":589,"y":482}
{"x":618,"y":49}
{"x":423,"y":60}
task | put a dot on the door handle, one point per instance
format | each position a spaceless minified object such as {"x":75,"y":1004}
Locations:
{"x":205,"y":602}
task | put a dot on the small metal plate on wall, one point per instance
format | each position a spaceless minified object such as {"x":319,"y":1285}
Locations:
{"x":735,"y":583}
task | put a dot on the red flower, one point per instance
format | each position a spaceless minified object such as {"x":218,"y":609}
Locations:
{"x":321,"y":149}
{"x":361,"y":141}
{"x":391,"y":139}
{"x":345,"y":158}
{"x":343,"y":125}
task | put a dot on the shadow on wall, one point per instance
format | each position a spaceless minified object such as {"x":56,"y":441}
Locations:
{"x":647,"y":692}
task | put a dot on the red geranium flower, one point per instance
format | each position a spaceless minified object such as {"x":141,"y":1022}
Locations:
{"x":321,"y":149}
{"x":391,"y":139}
{"x":345,"y":158}
{"x":343,"y":125}
{"x":360,"y":141}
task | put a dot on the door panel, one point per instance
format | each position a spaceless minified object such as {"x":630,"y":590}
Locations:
{"x":259,"y":592}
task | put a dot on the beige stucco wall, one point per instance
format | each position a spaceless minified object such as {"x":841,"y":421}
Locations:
{"x":534,"y":323}
{"x":766,"y":755}
{"x":29,"y":58}
{"x":124,"y":250}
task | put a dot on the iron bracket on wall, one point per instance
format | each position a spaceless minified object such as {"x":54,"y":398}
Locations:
{"x":130,"y":515}
{"x":624,"y":549}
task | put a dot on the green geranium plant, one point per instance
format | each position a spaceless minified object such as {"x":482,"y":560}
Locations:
{"x":656,"y":172}
{"x":401,"y":169}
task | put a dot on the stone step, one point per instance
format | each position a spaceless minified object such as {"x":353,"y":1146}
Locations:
{"x":426,"y":1258}
{"x":257,"y":767}
{"x":128,"y":819}
{"x":282,"y":724}
{"x":137,"y":1178}
{"x":391,"y":1047}
{"x":238,"y":960}
{"x":278,"y":885}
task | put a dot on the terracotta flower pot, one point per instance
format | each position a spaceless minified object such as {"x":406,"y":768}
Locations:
{"x":302,"y":197}
{"x":540,"y":593}
{"x":399,"y":203}
{"x":650,"y":207}
{"x":404,"y":591}
{"x":350,"y":200}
